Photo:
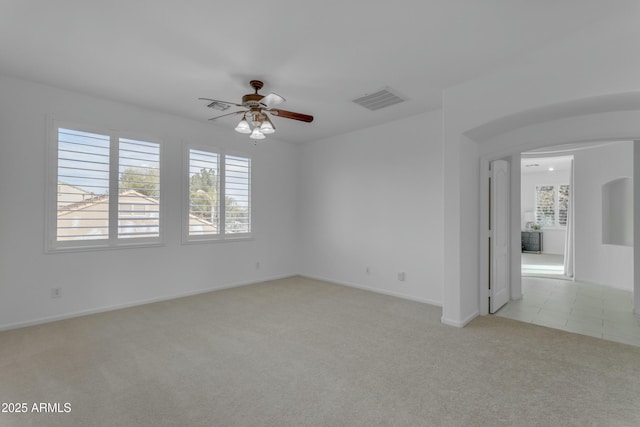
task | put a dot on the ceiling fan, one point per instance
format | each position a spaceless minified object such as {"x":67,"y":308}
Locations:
{"x":255,"y":111}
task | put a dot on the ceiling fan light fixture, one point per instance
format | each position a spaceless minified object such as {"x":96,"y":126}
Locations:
{"x":267,"y":127}
{"x":256,"y":134}
{"x":243,"y":126}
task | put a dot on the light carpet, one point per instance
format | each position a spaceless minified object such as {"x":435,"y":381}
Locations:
{"x":301,"y":352}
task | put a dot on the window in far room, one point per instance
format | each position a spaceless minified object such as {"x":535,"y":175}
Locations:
{"x":552,"y":205}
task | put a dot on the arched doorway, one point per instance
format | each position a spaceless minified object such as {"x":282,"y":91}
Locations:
{"x":508,"y":137}
{"x":599,"y":302}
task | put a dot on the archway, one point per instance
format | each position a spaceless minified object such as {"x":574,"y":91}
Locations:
{"x":507,"y":137}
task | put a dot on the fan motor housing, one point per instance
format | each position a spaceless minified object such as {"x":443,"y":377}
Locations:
{"x":251,"y":100}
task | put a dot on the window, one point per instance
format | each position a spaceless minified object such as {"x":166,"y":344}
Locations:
{"x":552,"y":205}
{"x":138,"y":189}
{"x":563,"y":204}
{"x":237,"y":200}
{"x":86,"y":169}
{"x":219,"y":196}
{"x":82,"y":199}
{"x":204,"y":188}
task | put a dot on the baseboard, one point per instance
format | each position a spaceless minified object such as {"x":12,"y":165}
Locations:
{"x":516,"y":297}
{"x":103,"y":309}
{"x":376,"y":290}
{"x":457,"y":323}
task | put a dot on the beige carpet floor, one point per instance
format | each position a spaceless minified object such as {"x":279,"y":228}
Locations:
{"x":301,"y":352}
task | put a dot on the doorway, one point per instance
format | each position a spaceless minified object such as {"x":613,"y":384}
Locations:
{"x":545,"y":195}
{"x":591,"y":306}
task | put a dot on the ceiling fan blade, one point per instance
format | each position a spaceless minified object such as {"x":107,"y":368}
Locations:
{"x":291,"y":115}
{"x":214,"y":101}
{"x":272,"y":100}
{"x":228,"y":114}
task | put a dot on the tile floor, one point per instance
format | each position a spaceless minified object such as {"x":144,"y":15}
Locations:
{"x":582,"y":308}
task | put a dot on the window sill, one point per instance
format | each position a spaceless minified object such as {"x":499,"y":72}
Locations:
{"x":217,"y":240}
{"x":86,"y":248}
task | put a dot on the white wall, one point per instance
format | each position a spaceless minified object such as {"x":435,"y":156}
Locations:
{"x":95,"y":280}
{"x":374,"y":198}
{"x":596,"y":262}
{"x":552,"y":238}
{"x":590,"y":77}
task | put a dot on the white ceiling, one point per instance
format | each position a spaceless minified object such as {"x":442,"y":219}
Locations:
{"x":320,"y":55}
{"x":545,"y":164}
{"x":557,"y":157}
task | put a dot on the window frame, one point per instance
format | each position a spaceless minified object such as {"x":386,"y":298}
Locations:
{"x":113,"y":241}
{"x":221,"y":236}
{"x":556,"y":205}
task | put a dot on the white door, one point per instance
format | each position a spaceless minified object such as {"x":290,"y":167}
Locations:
{"x":499,"y":235}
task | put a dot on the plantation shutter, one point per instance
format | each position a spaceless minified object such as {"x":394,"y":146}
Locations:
{"x":138,"y":189}
{"x":563,"y":204}
{"x":237,"y":195}
{"x":82,"y":202}
{"x":545,"y":205}
{"x":204,"y":189}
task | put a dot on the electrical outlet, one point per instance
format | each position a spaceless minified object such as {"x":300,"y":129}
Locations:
{"x":401,"y":276}
{"x":56,"y":292}
{"x":257,"y":265}
{"x":368,"y":270}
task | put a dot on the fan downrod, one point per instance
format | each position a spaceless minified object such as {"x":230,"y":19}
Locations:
{"x":256,"y":85}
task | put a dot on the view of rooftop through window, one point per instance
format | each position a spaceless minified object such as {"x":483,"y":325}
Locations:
{"x":84,"y":186}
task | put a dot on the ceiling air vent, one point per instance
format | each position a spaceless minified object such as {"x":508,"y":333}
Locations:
{"x":381,"y":99}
